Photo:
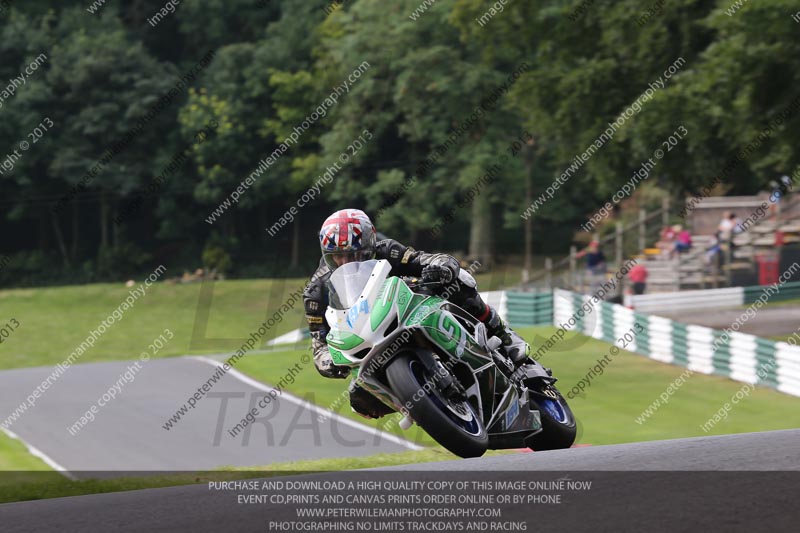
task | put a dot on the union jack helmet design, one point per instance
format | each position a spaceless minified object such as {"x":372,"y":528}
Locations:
{"x":347,"y":235}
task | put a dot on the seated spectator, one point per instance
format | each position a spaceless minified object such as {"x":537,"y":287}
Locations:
{"x":683,"y":242}
{"x":666,"y":241}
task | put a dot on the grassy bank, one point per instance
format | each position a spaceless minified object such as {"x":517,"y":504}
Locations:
{"x":54,"y":321}
{"x":15,"y":456}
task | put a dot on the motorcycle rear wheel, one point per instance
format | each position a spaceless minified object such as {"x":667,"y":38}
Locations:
{"x":453,"y":424}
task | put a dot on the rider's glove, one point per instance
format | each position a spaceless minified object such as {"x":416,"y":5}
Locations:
{"x":442,"y":268}
{"x":324,"y":362}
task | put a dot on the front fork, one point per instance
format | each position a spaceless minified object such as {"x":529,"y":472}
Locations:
{"x":537,"y":379}
{"x":441,"y":375}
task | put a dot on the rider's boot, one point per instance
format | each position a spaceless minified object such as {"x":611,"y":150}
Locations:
{"x":514,"y":347}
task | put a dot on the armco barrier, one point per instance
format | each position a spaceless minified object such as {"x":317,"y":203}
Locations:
{"x":681,"y":300}
{"x":707,"y":299}
{"x":789,"y":291}
{"x":529,"y":308}
{"x":737,"y":356}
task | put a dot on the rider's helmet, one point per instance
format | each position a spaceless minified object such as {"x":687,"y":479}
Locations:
{"x":347,"y":235}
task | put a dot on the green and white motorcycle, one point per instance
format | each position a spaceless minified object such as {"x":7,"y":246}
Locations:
{"x":433,"y":362}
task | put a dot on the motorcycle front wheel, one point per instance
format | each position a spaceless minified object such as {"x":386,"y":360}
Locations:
{"x":452,"y":423}
{"x":559,"y":427}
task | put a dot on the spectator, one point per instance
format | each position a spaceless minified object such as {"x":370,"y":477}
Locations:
{"x":787,"y":184}
{"x":667,"y":240}
{"x":683,"y":242}
{"x":595,"y":260}
{"x":728,"y":227}
{"x":780,"y":188}
{"x":713,"y":252}
{"x":595,"y":265}
{"x":638,"y":276}
{"x":779,"y":191}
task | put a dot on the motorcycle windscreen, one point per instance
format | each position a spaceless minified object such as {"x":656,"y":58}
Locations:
{"x":347,"y":283}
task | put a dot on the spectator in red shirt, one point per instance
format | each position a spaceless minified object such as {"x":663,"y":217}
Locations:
{"x":638,"y":276}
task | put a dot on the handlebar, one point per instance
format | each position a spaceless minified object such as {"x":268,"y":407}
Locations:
{"x":423,"y":287}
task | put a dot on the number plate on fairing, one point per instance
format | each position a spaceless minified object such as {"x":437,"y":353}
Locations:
{"x":512,"y":413}
{"x":353,"y":312}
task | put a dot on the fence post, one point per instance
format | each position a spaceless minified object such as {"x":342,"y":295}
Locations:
{"x":548,"y":268}
{"x":618,"y":245}
{"x":642,"y":229}
{"x":729,"y":253}
{"x":572,"y":252}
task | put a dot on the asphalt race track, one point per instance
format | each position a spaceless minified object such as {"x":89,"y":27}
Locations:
{"x":772,"y":321}
{"x":742,"y":452}
{"x":699,"y":484}
{"x":127,"y":433}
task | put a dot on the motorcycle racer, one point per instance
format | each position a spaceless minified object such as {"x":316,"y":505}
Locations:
{"x":349,"y":235}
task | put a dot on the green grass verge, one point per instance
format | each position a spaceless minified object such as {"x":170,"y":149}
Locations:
{"x":792,"y":302}
{"x":54,"y":321}
{"x":15,"y":456}
{"x":24,"y":486}
{"x":504,"y":276}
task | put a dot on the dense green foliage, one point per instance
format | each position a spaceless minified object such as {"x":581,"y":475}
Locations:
{"x":425,"y":161}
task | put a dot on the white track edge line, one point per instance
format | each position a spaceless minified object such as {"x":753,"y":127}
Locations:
{"x":36,"y":452}
{"x":313,"y":407}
